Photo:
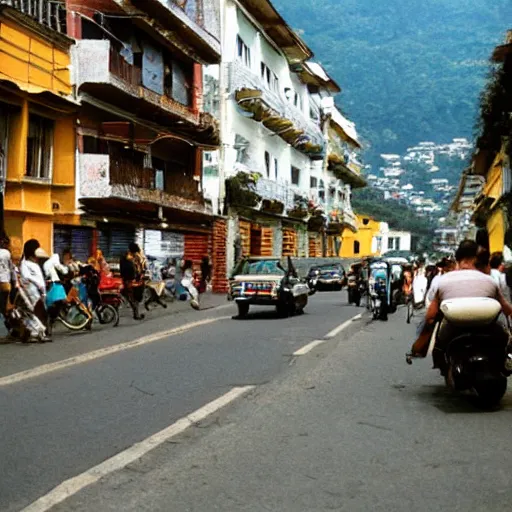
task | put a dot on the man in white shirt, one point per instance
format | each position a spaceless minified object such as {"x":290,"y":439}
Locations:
{"x":498,"y":273}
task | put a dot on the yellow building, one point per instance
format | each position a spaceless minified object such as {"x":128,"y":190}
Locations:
{"x":37,"y":128}
{"x":364,"y":242}
{"x":489,"y":211}
{"x":491,"y":160}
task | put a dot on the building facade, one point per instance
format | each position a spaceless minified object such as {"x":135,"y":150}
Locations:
{"x":492,"y":158}
{"x":37,"y":122}
{"x":142,"y":129}
{"x":463,"y":206}
{"x":274,"y":181}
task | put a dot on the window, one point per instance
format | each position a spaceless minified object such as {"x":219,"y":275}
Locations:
{"x":269,"y":77}
{"x":159,"y":167}
{"x":267,"y":163}
{"x":313,"y":182}
{"x":241,"y":146}
{"x":276,"y":168}
{"x":394,"y":243}
{"x":297,"y":101}
{"x":321,"y":195}
{"x":295,"y":176}
{"x":39,"y":147}
{"x":243,"y":52}
{"x":357,"y":247}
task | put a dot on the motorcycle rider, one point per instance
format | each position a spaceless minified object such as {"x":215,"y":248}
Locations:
{"x":465,"y":281}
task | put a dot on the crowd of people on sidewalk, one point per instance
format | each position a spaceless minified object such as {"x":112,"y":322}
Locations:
{"x":35,"y":285}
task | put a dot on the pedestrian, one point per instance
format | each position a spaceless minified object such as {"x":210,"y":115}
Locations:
{"x":34,"y":285}
{"x":188,"y":282}
{"x":497,"y":264}
{"x":132,"y":275}
{"x":7,"y":275}
{"x":155,"y":287}
{"x":206,"y":271}
{"x":55,"y":272}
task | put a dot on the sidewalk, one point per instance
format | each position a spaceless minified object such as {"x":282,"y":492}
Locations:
{"x":350,"y":428}
{"x":16,"y":357}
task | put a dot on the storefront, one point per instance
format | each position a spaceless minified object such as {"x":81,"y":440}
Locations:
{"x":114,"y":240}
{"x":78,"y":240}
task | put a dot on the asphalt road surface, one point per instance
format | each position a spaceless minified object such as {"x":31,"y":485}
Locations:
{"x":58,"y":424}
{"x":346,"y":426}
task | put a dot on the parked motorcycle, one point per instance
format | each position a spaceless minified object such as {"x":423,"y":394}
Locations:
{"x":104,"y":304}
{"x":474,"y":355}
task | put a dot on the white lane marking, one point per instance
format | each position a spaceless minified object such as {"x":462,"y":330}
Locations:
{"x":102,"y":352}
{"x":74,"y":485}
{"x":342,"y":327}
{"x":308,"y":348}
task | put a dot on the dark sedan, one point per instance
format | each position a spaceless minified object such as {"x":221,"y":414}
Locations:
{"x":328,"y":277}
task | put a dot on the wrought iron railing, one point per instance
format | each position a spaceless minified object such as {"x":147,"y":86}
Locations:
{"x":51,"y":13}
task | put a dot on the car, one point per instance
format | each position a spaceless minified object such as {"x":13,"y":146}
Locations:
{"x":262,"y":281}
{"x":329,"y":276}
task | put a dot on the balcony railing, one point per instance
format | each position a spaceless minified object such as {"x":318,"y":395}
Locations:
{"x":123,"y":70}
{"x":241,"y":77}
{"x":98,"y":62}
{"x":108,"y":176}
{"x":51,"y":13}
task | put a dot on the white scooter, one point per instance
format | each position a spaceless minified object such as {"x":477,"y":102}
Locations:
{"x":469,"y":348}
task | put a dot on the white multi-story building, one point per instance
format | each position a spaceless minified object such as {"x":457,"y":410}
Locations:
{"x":286,"y":166}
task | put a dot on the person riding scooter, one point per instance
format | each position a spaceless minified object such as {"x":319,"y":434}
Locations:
{"x":464,"y":282}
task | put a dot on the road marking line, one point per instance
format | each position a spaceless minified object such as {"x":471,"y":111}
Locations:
{"x":342,"y":327}
{"x":308,"y":348}
{"x":102,"y":352}
{"x":74,"y":485}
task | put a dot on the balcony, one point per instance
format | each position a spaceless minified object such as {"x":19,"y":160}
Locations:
{"x":109,"y":177}
{"x":50,"y":13}
{"x":344,"y":166}
{"x":247,"y":189}
{"x":276,"y":113}
{"x":195,"y":22}
{"x":100,"y":71}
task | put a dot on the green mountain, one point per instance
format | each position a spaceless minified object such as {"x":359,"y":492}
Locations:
{"x":410,"y":70}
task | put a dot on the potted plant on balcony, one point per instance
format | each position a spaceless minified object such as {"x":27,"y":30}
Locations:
{"x":272,"y":206}
{"x":318,"y":220}
{"x":300,"y":208}
{"x":241,"y":189}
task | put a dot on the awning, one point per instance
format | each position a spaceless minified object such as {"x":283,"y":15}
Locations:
{"x":348,"y":127}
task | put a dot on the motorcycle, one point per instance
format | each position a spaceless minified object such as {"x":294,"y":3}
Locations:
{"x":379,"y":290}
{"x":474,"y":355}
{"x":356,"y":285}
{"x":104,"y":303}
{"x":312,"y":280}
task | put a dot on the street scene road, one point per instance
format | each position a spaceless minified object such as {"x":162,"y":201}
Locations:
{"x":346,"y":426}
{"x":59,"y":424}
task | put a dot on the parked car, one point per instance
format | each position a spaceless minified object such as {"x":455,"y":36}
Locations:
{"x":329,"y":276}
{"x":262,"y":281}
